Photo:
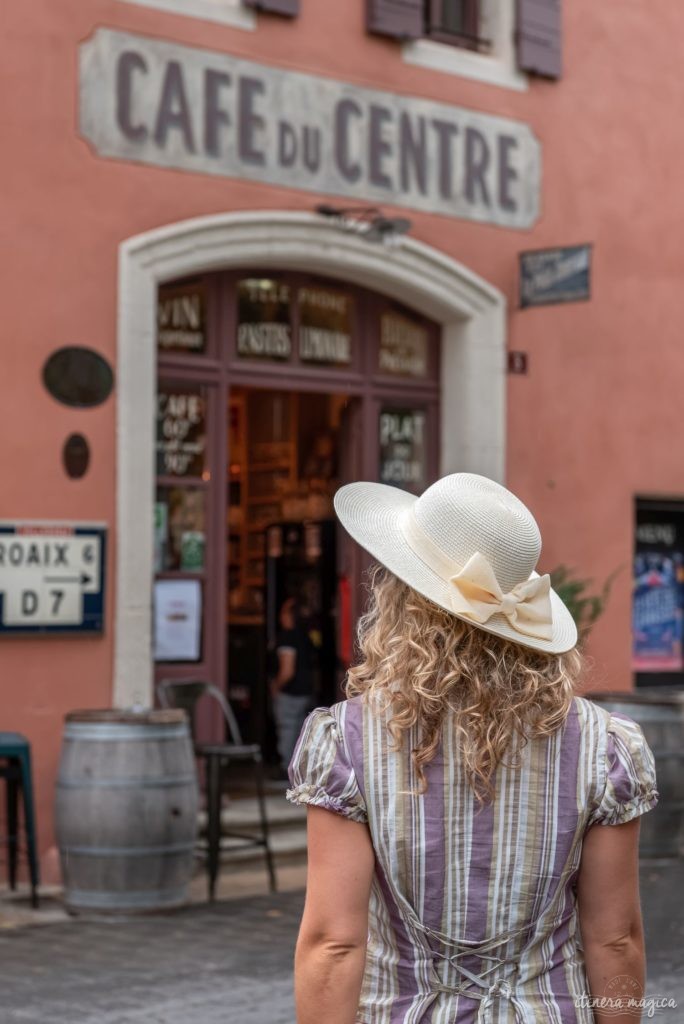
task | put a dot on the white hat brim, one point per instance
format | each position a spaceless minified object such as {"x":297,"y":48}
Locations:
{"x":371,"y":512}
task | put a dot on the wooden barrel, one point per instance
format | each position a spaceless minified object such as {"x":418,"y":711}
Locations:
{"x":660,"y":713}
{"x":126,"y":811}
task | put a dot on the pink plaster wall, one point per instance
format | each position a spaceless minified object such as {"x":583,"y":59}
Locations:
{"x":595,"y":422}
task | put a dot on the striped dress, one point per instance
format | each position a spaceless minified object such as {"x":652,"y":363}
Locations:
{"x":473,"y":915}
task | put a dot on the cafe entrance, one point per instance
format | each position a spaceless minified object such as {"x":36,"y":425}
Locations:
{"x":273,"y":390}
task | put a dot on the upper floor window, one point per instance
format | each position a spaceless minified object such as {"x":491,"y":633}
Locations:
{"x":457,"y":22}
{"x":499,"y":42}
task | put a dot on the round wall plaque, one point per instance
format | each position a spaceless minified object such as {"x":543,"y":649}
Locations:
{"x":76,"y":456}
{"x":78,"y":376}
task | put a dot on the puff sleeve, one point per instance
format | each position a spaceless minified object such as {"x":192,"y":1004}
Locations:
{"x":630,"y":777}
{"x":321,"y":772}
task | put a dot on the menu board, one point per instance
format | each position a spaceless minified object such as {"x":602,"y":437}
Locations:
{"x":177,"y":620}
{"x":181,"y":317}
{"x":403,"y":348}
{"x":402,"y":437}
{"x":325,"y":326}
{"x":181,"y":431}
{"x":263,"y":329}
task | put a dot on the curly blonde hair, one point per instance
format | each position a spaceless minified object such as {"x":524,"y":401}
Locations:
{"x":420,"y":662}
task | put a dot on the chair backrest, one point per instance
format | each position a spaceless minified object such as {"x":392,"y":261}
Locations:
{"x":186,"y":694}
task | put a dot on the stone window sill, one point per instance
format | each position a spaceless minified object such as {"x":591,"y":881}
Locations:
{"x":226,"y":12}
{"x":456,"y":60}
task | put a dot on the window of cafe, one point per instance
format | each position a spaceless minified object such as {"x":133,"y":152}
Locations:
{"x":273,"y":390}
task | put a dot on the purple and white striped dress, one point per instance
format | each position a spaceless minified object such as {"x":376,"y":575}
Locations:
{"x":472,"y":914}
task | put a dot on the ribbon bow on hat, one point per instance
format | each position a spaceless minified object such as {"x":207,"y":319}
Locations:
{"x":476,"y":595}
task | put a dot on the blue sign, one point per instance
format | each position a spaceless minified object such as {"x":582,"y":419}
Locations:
{"x":555,"y":275}
{"x":52,"y":577}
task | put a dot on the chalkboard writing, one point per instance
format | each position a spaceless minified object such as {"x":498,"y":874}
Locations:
{"x":181,"y":318}
{"x":181,"y":432}
{"x":403,"y":350}
{"x":324,"y":326}
{"x":402,"y":448}
{"x":263,"y":330}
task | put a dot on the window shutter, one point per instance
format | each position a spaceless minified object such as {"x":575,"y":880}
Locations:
{"x":290,"y":8}
{"x":401,"y":19}
{"x":540,"y":37}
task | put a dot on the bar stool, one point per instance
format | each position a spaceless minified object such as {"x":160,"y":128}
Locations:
{"x":15,"y":769}
{"x":185,"y":694}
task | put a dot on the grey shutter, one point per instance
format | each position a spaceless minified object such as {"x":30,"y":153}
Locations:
{"x":290,"y":8}
{"x":540,"y":37}
{"x":401,"y":19}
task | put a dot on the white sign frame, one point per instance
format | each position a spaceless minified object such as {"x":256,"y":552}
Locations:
{"x":52,"y":577}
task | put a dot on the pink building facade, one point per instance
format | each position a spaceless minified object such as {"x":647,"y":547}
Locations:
{"x":152,"y":142}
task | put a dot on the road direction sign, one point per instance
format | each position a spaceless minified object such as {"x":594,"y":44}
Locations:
{"x":52,"y":577}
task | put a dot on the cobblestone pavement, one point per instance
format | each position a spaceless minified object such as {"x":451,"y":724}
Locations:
{"x":224,"y":964}
{"x":231,"y":963}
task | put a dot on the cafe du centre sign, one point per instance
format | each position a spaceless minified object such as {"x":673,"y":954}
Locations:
{"x":160,"y":103}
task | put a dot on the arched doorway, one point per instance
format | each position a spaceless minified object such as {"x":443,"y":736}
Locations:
{"x":275,"y":387}
{"x":472,"y":381}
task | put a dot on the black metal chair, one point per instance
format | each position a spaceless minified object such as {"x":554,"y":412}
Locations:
{"x":186,"y":694}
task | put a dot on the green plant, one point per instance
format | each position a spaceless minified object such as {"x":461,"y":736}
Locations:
{"x":584,"y":607}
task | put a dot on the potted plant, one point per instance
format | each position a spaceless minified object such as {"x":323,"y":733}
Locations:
{"x":584,"y":605}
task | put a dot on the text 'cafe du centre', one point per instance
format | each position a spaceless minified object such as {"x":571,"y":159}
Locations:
{"x":280,"y":246}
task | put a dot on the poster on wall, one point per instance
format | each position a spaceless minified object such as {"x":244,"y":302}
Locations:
{"x":657,"y":612}
{"x":177,"y":620}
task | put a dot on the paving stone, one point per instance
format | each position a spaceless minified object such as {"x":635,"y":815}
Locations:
{"x":205,"y":964}
{"x":230,"y":963}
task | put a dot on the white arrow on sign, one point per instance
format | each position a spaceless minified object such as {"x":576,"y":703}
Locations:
{"x":83,"y":580}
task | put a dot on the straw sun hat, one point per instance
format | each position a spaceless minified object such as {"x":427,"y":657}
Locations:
{"x":468,"y":545}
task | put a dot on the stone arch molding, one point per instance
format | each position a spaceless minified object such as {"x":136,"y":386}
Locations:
{"x":471,"y":311}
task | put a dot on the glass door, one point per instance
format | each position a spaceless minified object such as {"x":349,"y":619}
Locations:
{"x":186,"y":539}
{"x":274,"y":388}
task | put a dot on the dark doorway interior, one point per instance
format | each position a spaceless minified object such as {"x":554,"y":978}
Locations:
{"x":285,"y":465}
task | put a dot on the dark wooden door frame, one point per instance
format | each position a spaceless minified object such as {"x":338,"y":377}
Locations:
{"x":219,"y":370}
